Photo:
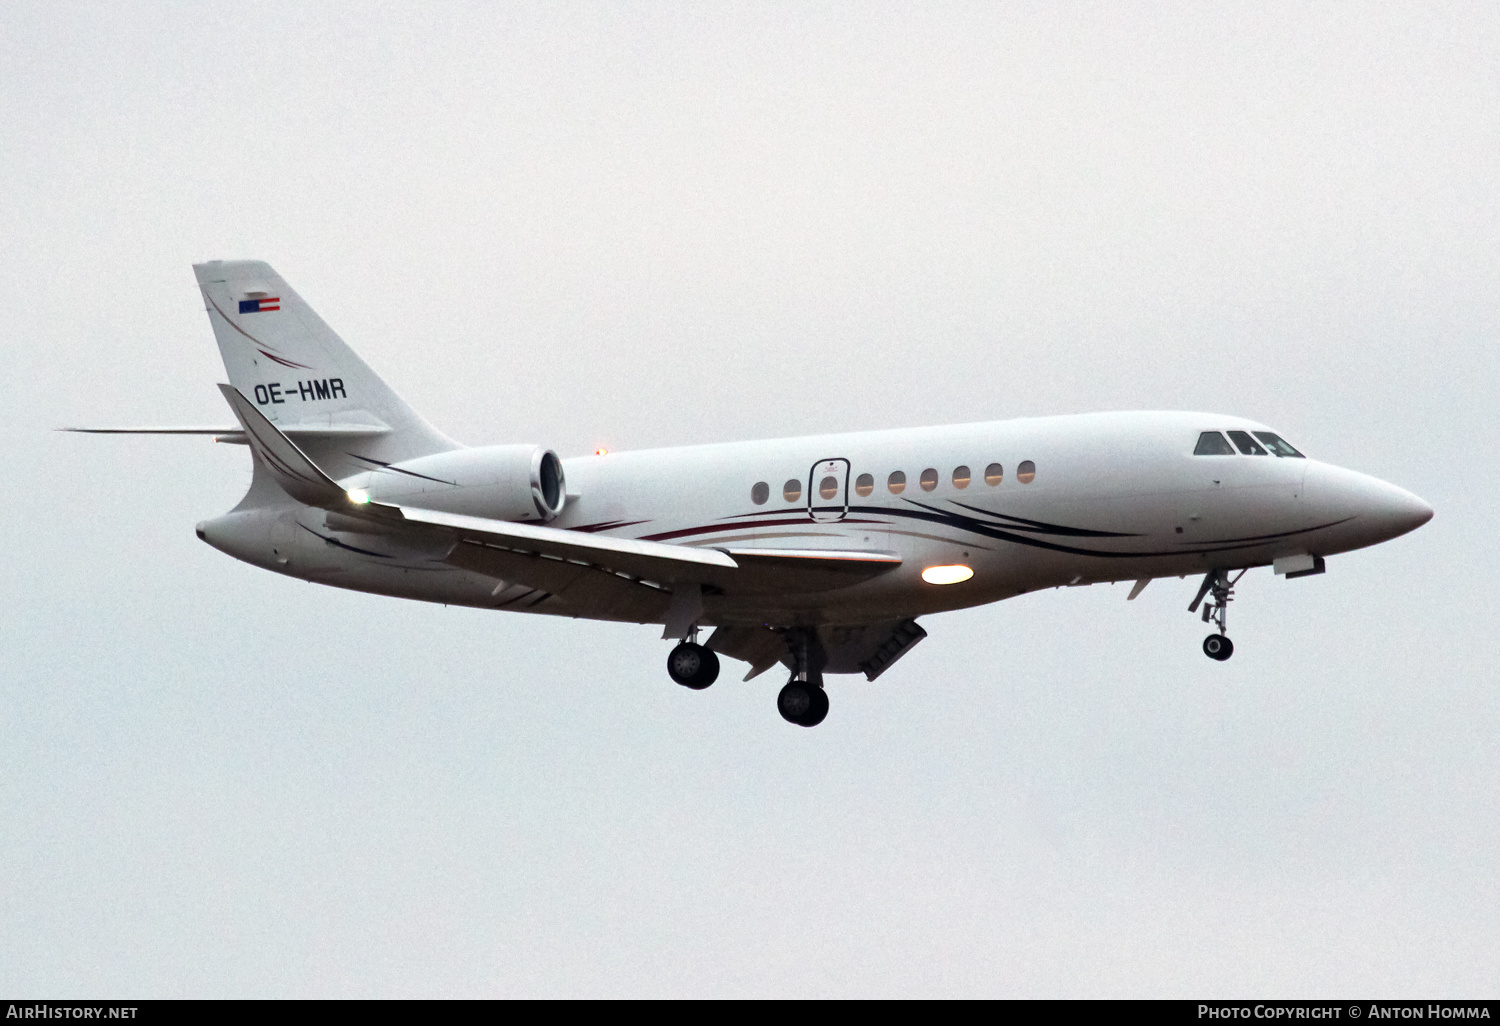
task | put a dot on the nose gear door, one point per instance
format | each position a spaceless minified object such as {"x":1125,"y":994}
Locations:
{"x":828,"y":490}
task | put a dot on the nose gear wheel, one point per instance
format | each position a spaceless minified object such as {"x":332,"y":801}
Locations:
{"x":1218,"y":588}
{"x":1217,"y":646}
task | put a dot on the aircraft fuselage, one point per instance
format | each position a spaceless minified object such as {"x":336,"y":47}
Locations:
{"x":1108,"y":497}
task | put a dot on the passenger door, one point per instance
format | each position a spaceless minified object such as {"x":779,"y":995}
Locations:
{"x":828,"y":490}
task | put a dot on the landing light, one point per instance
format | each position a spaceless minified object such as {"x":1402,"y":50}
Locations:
{"x":358,"y":496}
{"x":955,"y":573}
{"x":601,"y":451}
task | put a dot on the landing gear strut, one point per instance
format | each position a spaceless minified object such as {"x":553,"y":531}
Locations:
{"x":803,"y":701}
{"x":1218,"y":588}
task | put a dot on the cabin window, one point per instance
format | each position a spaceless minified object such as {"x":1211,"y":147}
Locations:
{"x":1277,"y":444}
{"x":929,"y":479}
{"x":1211,"y":443}
{"x":760,"y":493}
{"x":864,"y":485}
{"x":1026,"y":472}
{"x":960,"y":477}
{"x":994,"y":474}
{"x":896,"y":482}
{"x":1248,"y":445}
{"x":828,"y":487}
{"x":792,"y":490}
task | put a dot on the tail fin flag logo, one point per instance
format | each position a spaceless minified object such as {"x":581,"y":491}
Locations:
{"x":260,"y":305}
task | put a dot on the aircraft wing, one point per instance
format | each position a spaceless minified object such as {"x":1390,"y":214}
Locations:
{"x":505,"y":547}
{"x":558,"y":560}
{"x":780,"y":570}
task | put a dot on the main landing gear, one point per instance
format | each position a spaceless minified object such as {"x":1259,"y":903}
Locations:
{"x":693,"y":665}
{"x":1218,"y":588}
{"x":803,"y":701}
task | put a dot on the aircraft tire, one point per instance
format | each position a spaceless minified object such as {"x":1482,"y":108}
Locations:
{"x":801,"y":703}
{"x":819,"y":712}
{"x":693,"y":666}
{"x":1217,"y":646}
{"x":794,"y":702}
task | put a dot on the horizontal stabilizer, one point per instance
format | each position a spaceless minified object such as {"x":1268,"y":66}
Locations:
{"x":153,"y":430}
{"x":236,"y":436}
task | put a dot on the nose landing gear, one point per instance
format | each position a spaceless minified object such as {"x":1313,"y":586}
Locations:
{"x":1218,"y":588}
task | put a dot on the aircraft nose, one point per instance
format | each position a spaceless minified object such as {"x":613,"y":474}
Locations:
{"x":1404,"y":511}
{"x":1378,"y":507}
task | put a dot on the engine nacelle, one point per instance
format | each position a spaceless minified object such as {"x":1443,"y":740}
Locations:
{"x":501,"y":482}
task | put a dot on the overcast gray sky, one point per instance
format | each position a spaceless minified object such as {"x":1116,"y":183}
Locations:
{"x":642,"y":225}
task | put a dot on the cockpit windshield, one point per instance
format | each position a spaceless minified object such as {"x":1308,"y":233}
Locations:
{"x":1277,"y":444}
{"x":1211,"y":443}
{"x":1248,"y":445}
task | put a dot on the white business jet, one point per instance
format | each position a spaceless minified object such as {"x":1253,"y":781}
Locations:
{"x":817,"y":553}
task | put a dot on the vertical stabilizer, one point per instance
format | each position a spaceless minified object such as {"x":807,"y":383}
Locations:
{"x":300,"y":374}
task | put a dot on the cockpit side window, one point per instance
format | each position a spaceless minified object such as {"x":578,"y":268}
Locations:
{"x":1278,"y":445}
{"x":1248,"y":445}
{"x":1211,"y":443}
